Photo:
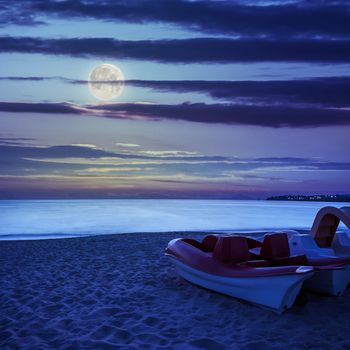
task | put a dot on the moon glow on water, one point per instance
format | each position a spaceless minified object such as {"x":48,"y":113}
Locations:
{"x":106,"y":82}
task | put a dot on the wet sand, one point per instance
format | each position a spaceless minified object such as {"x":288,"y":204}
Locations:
{"x":120,"y":292}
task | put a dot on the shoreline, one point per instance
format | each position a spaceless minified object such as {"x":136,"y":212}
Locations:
{"x":120,"y":291}
{"x":193,"y":232}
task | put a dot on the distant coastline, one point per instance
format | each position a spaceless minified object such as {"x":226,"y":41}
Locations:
{"x":313,"y":198}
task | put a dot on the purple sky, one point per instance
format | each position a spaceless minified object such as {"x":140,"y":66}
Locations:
{"x":221,"y":99}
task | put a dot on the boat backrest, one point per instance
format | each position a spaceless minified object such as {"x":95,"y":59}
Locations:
{"x":326,"y":223}
{"x":209,"y":242}
{"x":231,"y":249}
{"x":274,"y":246}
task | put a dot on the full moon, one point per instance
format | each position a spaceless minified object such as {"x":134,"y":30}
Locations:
{"x":106,"y":82}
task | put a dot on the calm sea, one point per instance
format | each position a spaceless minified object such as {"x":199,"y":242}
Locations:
{"x":29,"y":219}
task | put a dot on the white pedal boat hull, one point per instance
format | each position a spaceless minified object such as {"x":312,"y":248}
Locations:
{"x":277,"y":293}
{"x":330,"y":282}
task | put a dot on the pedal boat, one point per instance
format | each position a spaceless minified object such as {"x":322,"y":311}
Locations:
{"x":331,"y":275}
{"x":324,"y":245}
{"x":222,"y":263}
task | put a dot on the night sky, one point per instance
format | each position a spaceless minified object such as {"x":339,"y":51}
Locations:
{"x":221,"y":99}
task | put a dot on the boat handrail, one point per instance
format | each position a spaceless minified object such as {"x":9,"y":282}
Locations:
{"x":326,"y":223}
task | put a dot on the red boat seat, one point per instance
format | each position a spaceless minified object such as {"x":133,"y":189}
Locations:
{"x":275,"y":248}
{"x":209,"y":242}
{"x":231,"y":249}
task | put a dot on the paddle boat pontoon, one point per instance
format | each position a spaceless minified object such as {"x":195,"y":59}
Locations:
{"x":332,"y":276}
{"x":222,"y":263}
{"x":324,"y":245}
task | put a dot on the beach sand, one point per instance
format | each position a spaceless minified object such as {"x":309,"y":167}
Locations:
{"x":121,"y":292}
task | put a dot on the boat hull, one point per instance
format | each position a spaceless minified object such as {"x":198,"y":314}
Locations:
{"x":330,"y":282}
{"x":277,"y":293}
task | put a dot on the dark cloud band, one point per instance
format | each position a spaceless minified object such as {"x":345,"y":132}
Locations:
{"x":333,"y":91}
{"x":267,"y":116}
{"x":197,"y":50}
{"x":225,"y":17}
{"x":330,"y":91}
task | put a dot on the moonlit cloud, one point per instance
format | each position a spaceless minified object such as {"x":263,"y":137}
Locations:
{"x":161,"y":169}
{"x":84,"y":157}
{"x":168,"y":153}
{"x":85,"y":145}
{"x":127,"y":145}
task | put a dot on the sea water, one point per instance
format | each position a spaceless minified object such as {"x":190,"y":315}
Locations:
{"x":33,"y":219}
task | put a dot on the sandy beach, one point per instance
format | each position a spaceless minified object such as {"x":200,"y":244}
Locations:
{"x":120,"y":292}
